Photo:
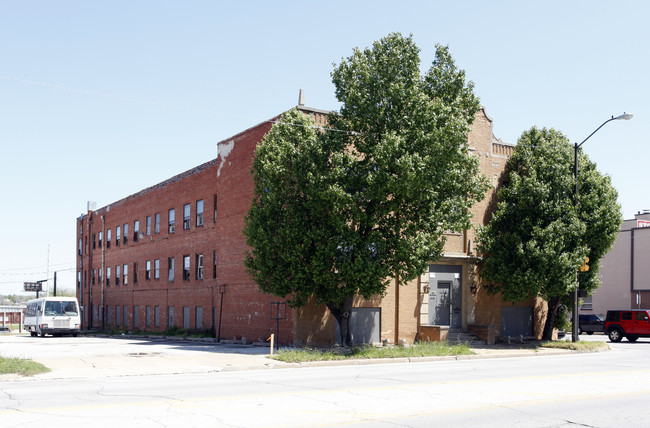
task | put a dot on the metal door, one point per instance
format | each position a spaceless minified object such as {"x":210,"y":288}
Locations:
{"x":445,"y":296}
{"x":441,"y":300}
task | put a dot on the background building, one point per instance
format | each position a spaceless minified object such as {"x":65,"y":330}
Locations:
{"x":171,"y":256}
{"x":625,"y":270}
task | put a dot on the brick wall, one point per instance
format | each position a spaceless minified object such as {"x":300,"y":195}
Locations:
{"x":246,"y":311}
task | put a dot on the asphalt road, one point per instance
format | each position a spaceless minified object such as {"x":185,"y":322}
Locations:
{"x":548,"y":390}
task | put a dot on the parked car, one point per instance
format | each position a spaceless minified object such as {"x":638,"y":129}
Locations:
{"x":590,"y":323}
{"x":631,"y":324}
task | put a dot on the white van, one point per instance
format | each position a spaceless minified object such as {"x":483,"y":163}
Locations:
{"x":53,"y":315}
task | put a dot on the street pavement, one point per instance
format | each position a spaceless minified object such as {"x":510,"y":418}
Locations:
{"x":155,"y":356}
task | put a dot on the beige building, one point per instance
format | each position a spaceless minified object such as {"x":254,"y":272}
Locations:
{"x":448,"y":299}
{"x":625,"y":270}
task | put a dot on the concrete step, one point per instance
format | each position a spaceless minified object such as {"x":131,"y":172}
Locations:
{"x":460,"y":336}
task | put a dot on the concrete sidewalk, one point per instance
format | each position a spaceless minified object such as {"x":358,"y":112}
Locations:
{"x":165,"y":358}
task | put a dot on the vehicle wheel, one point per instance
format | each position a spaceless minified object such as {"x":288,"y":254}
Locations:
{"x":615,"y":335}
{"x":590,"y":332}
{"x":579,"y":330}
{"x":32,"y":333}
{"x":632,"y":338}
{"x":74,"y":334}
{"x":42,"y":333}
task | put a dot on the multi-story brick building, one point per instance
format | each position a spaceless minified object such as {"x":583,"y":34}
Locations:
{"x":172,"y":255}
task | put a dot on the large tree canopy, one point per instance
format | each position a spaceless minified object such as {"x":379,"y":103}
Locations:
{"x":539,"y":236}
{"x":339,"y":211}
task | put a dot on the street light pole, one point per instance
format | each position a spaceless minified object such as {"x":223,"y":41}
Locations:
{"x":575,"y":319}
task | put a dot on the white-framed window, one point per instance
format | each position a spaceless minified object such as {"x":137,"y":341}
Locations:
{"x":147,"y":269}
{"x":156,"y":226}
{"x":186,"y":268}
{"x":117,"y":274}
{"x":214,"y":264}
{"x":171,"y":216}
{"x":199,"y":266}
{"x":148,"y":225}
{"x":186,"y":216}
{"x":170,"y":269}
{"x":156,"y":268}
{"x":136,"y":230}
{"x":215,"y":208}
{"x":108,"y":238}
{"x":118,"y":232}
{"x":199,"y":212}
{"x":126,"y":233}
{"x":125,"y":274}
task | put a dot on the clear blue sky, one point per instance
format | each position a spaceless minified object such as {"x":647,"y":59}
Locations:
{"x":99,"y":100}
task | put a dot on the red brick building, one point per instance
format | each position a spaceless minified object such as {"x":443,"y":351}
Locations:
{"x":172,"y":256}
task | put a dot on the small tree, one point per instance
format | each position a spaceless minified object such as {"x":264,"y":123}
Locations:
{"x":538,"y":236}
{"x":337,"y":212}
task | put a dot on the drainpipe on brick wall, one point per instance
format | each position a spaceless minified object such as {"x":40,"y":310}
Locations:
{"x":103,"y":270}
{"x":397,"y":309}
{"x":89,"y":309}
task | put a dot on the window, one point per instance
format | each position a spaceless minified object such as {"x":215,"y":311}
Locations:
{"x":136,"y":230}
{"x":170,"y":316}
{"x":92,"y":280}
{"x":125,"y":272}
{"x":126,"y":233}
{"x":80,"y":246}
{"x":148,"y":225}
{"x":199,"y":212}
{"x":215,"y":208}
{"x":186,"y":268}
{"x":101,"y":237}
{"x":171,"y":217}
{"x":214,"y":264}
{"x":156,"y":269}
{"x":118,"y":231}
{"x":99,"y":271}
{"x":108,"y":275}
{"x":147,"y":269}
{"x":108,"y":238}
{"x":186,"y":217}
{"x":156,"y":226}
{"x":170,"y":269}
{"x":199,"y":266}
{"x":117,"y":275}
{"x":135,"y":273}
{"x":93,"y":241}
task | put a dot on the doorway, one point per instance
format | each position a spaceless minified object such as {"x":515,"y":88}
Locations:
{"x":445,"y":296}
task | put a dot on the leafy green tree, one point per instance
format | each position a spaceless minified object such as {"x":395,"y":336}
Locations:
{"x":339,"y":211}
{"x":538,"y":236}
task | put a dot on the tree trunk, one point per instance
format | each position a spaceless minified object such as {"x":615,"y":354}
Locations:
{"x":342,"y":315}
{"x":551,"y":317}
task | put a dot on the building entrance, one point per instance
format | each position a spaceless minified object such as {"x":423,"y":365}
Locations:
{"x":445,"y":296}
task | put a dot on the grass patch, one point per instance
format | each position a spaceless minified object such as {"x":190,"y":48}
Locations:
{"x":576,"y":346}
{"x":20,"y":366}
{"x":420,"y":349}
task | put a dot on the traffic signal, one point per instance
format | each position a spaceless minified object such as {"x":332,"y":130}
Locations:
{"x":584,"y":267}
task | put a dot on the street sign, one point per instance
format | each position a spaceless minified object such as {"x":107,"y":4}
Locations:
{"x":33,"y":286}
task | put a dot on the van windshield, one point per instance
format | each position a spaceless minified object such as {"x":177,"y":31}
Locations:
{"x":53,"y":308}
